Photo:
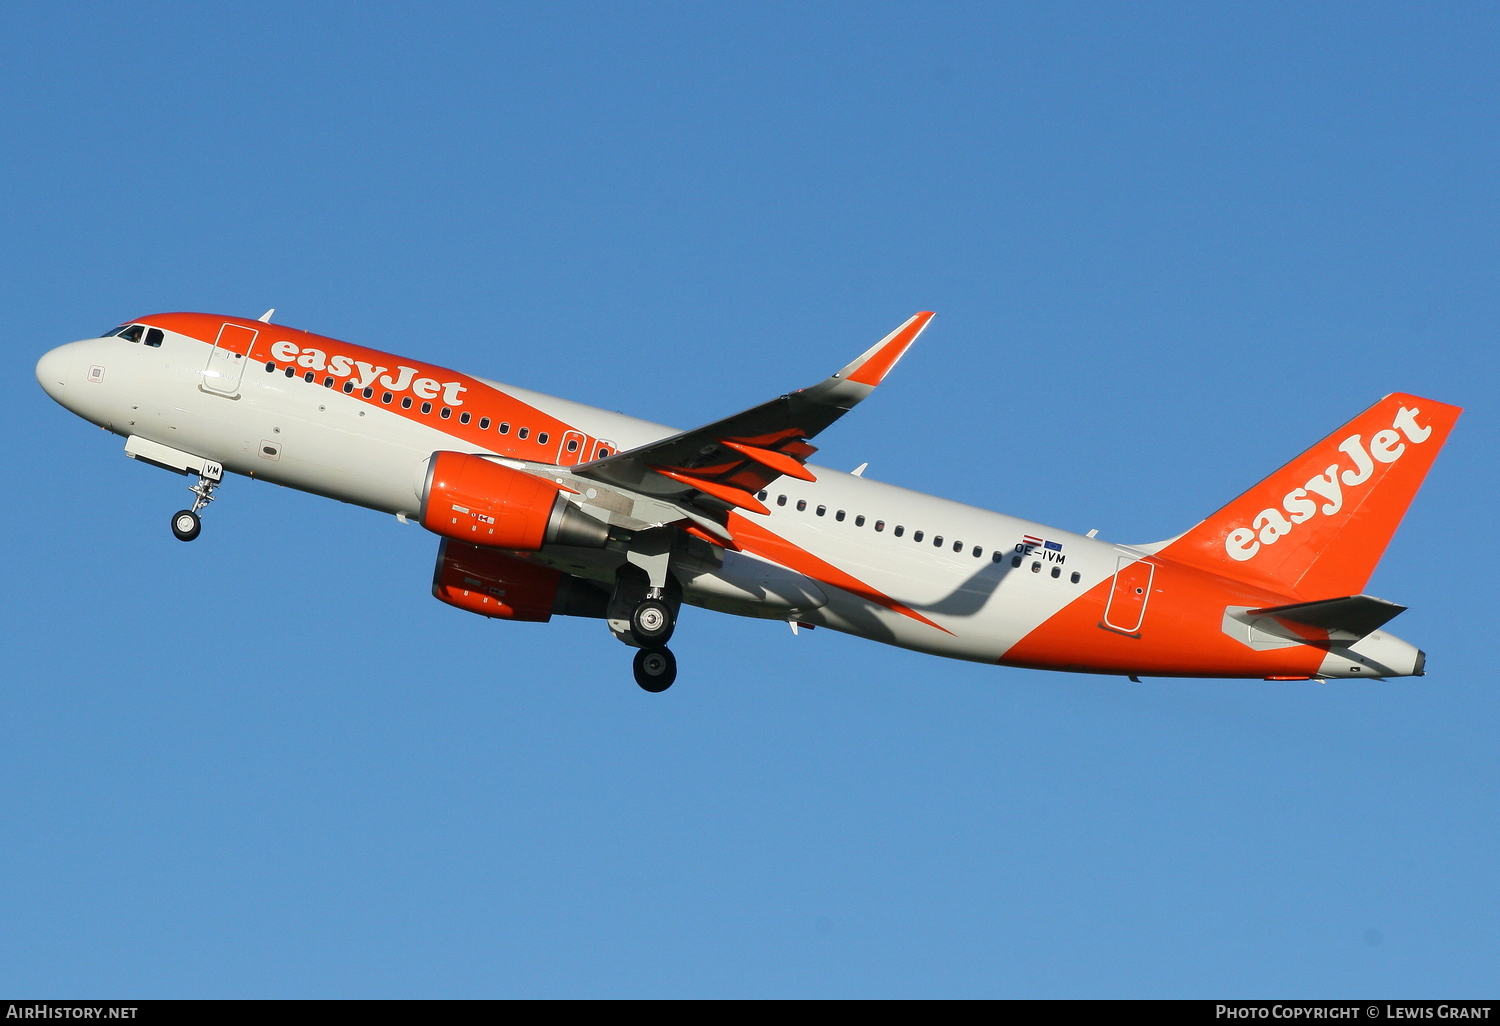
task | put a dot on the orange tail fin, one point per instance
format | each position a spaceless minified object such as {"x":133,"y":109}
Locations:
{"x":1317,"y":527}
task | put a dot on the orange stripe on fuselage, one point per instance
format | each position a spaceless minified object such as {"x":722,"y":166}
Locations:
{"x":1181,"y":633}
{"x":753,"y":538}
{"x":476,"y":398}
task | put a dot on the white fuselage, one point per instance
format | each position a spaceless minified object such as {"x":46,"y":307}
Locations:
{"x":842,"y":551}
{"x":331,"y":444}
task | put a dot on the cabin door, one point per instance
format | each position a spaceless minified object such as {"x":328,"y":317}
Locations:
{"x":226,"y":364}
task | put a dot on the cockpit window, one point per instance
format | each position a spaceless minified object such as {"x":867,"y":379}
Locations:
{"x":154,"y":337}
{"x":132,"y":332}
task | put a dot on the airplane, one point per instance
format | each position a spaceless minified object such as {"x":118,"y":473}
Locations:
{"x":549,"y":507}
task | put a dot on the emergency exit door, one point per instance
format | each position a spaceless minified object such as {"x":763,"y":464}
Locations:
{"x":1126,"y":610}
{"x":571,"y":449}
{"x":226,"y":363}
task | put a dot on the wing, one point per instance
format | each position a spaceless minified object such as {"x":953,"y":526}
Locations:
{"x":721,"y":466}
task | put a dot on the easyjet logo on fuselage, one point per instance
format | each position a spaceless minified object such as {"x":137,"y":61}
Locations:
{"x":1270,"y":526}
{"x":365,"y":375}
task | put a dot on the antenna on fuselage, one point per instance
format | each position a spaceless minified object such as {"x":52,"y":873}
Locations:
{"x":265,"y":318}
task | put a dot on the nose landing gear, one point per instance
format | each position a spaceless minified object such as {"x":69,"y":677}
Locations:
{"x":186,"y":524}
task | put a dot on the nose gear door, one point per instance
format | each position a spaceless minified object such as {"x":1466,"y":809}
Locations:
{"x":226,"y":363}
{"x":1127,"y":600}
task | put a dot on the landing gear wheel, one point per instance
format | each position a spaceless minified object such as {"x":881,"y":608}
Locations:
{"x":655,"y":669}
{"x":651,"y":623}
{"x":186,"y":525}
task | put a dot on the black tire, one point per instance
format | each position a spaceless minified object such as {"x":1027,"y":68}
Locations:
{"x":186,"y":525}
{"x":651,"y":623}
{"x":655,"y":669}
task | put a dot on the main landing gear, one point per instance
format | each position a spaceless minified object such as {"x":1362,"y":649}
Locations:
{"x":655,"y":668}
{"x":651,"y":622}
{"x":642,"y":609}
{"x":186,"y":524}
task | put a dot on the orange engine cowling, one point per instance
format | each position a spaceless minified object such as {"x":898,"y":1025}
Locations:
{"x":491,"y":583}
{"x":472,"y":499}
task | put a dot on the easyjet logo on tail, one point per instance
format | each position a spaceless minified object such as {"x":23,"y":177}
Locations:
{"x":1324,"y":493}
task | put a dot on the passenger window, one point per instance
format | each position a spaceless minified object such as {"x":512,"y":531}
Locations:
{"x":484,"y":423}
{"x":327,"y":382}
{"x":879,"y":525}
{"x":541,"y":439}
{"x":445,"y":413}
{"x":839,"y":516}
{"x":572,"y":445}
{"x":504,"y":428}
{"x":386,"y":398}
{"x":270,"y":366}
{"x":1074,"y":578}
{"x":937,"y":541}
{"x":406,"y":402}
{"x":291,"y":372}
{"x":1057,"y":571}
{"x":916,"y":536}
{"x":859,"y":521}
{"x":761,"y":496}
{"x":781,"y":500}
{"x":978,"y":552}
{"x":603,"y":453}
{"x":154,"y":337}
{"x":1036,"y":568}
{"x":801,"y":505}
{"x":958,"y":546}
{"x":1015,"y":560}
{"x":899,"y":531}
{"x":523,"y":432}
{"x":426,"y":407}
{"x":368,"y":392}
{"x":348,"y":387}
{"x":308,"y":377}
{"x":464,"y":418}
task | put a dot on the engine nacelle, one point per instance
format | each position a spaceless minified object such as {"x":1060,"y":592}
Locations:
{"x":472,"y":499}
{"x":491,"y":583}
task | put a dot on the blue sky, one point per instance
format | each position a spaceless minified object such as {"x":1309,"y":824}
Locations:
{"x":1170,"y":246}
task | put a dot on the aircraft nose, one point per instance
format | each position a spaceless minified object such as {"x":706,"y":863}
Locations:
{"x":52,"y":372}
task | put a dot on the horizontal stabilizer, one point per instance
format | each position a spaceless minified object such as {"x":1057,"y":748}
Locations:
{"x":1358,"y":615}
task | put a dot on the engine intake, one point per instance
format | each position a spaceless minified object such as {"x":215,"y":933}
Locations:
{"x":472,"y":499}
